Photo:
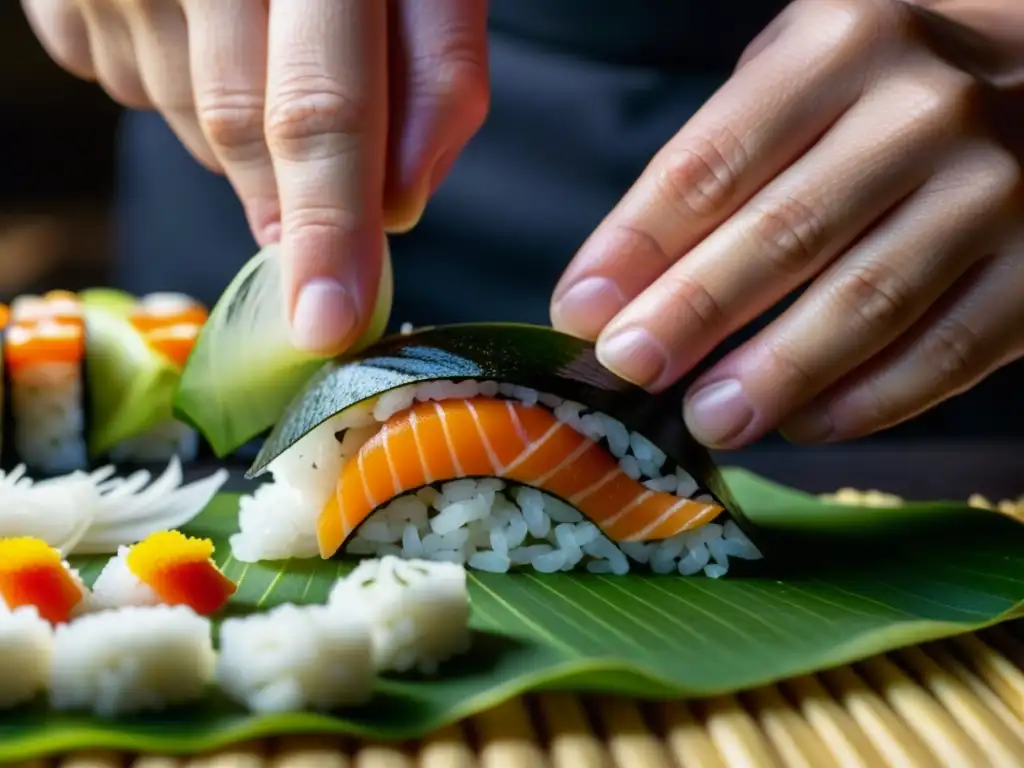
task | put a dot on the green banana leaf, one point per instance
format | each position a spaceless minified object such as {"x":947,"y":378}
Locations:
{"x":829,"y":596}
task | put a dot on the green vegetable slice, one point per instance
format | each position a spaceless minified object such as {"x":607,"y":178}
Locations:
{"x":131,"y":386}
{"x":533,"y":356}
{"x":243,"y":369}
{"x":110,"y":299}
{"x":637,"y":635}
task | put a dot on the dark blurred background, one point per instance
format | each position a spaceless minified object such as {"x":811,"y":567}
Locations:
{"x":56,"y":169}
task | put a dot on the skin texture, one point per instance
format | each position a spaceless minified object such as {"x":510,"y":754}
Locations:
{"x":333,"y":119}
{"x":869,"y":151}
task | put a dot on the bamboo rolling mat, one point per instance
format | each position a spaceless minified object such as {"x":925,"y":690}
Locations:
{"x":958,"y":703}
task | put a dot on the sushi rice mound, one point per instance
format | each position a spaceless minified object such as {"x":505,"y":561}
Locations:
{"x":26,"y":642}
{"x":484,"y":523}
{"x":116,"y":662}
{"x":293,"y":657}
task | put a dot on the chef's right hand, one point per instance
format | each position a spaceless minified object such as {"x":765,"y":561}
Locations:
{"x":332,"y":119}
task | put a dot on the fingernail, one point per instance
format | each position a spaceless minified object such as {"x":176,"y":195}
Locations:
{"x":811,"y":425}
{"x":635,"y":355}
{"x":587,"y":306}
{"x":325,"y":316}
{"x":718,"y":413}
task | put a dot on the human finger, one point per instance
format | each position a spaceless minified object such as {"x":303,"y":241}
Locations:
{"x":876,"y":154}
{"x":760,"y":121}
{"x":439,"y":98}
{"x":978,"y":329}
{"x":160,"y":35}
{"x":228,"y":62}
{"x":861,"y":305}
{"x":326,"y":127}
{"x":61,"y":29}
{"x":113,"y":53}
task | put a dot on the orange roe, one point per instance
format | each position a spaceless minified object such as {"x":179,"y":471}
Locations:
{"x":44,"y":342}
{"x":33,"y":573}
{"x":147,"y":319}
{"x":181,"y":571}
{"x":5,"y":315}
{"x":174,"y":341}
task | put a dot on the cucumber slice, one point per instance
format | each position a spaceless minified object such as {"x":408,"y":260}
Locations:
{"x":244,"y":370}
{"x":110,"y":299}
{"x":131,"y":386}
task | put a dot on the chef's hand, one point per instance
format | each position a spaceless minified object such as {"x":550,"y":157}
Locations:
{"x":844,"y":151}
{"x":333,"y":119}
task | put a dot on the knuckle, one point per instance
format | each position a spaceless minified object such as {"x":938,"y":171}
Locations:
{"x":1004,"y":173}
{"x":874,"y":293}
{"x":786,"y":367}
{"x":305,"y":112}
{"x":231,"y":119}
{"x":860,"y":24}
{"x":789,"y":234}
{"x":948,"y":98}
{"x":702,"y":177}
{"x":953,"y":350}
{"x":695,"y":305}
{"x":460,"y":84}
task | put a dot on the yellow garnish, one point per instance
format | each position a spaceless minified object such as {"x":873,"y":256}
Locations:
{"x":164,"y":549}
{"x":26,"y":552}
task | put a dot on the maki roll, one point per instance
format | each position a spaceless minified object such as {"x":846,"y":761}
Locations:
{"x":169,"y":323}
{"x":44,"y":356}
{"x":92,"y":376}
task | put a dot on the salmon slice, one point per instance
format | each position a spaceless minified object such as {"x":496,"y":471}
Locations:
{"x":489,"y":437}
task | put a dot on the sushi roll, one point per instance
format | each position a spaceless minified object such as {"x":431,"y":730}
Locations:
{"x":26,"y":642}
{"x":292,"y":658}
{"x":165,"y":568}
{"x":170,"y":324}
{"x":131,"y":660}
{"x":44,"y":360}
{"x":32,"y":573}
{"x":418,"y":611}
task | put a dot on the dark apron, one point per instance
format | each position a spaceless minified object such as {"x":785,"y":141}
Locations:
{"x":584,"y":92}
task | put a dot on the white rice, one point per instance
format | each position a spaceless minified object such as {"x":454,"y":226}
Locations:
{"x":160,"y":443}
{"x":293,"y":658}
{"x":26,"y":642}
{"x":117,"y":586}
{"x":131,"y":660}
{"x":480,"y":523}
{"x":418,"y":611}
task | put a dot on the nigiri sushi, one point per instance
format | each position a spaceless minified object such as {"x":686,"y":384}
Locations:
{"x":168,"y":568}
{"x":32,"y":573}
{"x":495,"y":476}
{"x":44,"y":354}
{"x":131,"y":660}
{"x":26,"y":641}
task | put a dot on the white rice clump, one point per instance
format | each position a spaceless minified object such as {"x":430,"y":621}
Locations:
{"x":293,"y":658}
{"x":418,"y":610}
{"x":481,"y":523}
{"x":159,"y":443}
{"x":26,"y":642}
{"x":131,"y":660}
{"x":117,"y":586}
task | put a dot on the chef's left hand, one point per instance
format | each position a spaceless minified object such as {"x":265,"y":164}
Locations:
{"x":845,"y":152}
